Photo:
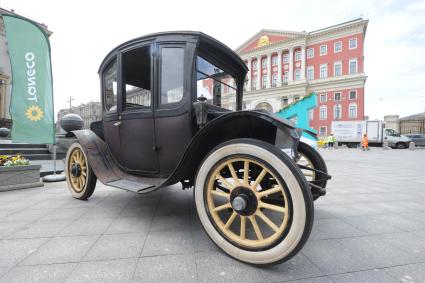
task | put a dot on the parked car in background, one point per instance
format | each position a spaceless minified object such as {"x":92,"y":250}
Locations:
{"x":418,"y":139}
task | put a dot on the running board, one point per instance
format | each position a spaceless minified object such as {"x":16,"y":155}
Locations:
{"x":136,"y":186}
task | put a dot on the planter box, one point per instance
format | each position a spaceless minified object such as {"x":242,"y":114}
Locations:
{"x":20,"y":177}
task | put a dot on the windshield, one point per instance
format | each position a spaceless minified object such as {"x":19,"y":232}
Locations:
{"x":217,"y":86}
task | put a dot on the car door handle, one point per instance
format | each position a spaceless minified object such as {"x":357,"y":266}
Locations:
{"x":117,"y":123}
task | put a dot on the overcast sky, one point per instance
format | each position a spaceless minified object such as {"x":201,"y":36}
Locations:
{"x":85,"y":31}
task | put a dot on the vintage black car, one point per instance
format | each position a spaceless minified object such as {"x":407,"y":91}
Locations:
{"x":172,"y":112}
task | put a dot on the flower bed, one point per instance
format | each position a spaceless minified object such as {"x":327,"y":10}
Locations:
{"x":16,"y":173}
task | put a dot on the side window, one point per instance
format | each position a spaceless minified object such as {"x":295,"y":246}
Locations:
{"x":136,"y":77}
{"x":172,"y":64}
{"x":110,"y":87}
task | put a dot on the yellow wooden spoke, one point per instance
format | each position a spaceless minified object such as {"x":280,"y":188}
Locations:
{"x":273,"y":190}
{"x":256,"y":228}
{"x":245,"y":172}
{"x":233,"y":172}
{"x":243,"y":227}
{"x":224,"y":181}
{"x":230,"y":220}
{"x":267,"y":220}
{"x":259,"y":178}
{"x":222,"y":207}
{"x":272,"y":207}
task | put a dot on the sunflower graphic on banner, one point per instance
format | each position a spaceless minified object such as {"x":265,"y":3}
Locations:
{"x":31,"y":104}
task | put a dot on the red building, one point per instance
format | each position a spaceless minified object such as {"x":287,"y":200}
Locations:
{"x":286,"y":65}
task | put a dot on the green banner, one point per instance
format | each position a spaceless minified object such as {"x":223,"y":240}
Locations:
{"x":31,"y":105}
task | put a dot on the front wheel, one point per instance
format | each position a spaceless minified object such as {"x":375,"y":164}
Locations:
{"x":79,"y":176}
{"x":254,"y":202}
{"x":400,"y":145}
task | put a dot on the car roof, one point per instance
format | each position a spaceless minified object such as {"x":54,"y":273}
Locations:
{"x":226,"y":52}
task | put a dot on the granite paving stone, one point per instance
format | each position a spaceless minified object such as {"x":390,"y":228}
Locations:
{"x":370,"y":227}
{"x":167,"y":268}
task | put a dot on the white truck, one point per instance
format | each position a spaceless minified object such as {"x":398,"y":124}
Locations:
{"x":350,"y":133}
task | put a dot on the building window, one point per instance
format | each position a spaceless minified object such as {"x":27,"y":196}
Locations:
{"x":337,"y":46}
{"x":285,"y":77}
{"x":297,"y":55}
{"x":310,"y":73}
{"x":353,"y":66}
{"x":322,"y":131}
{"x":323,"y":112}
{"x":337,"y":69}
{"x":310,"y":114}
{"x":353,"y":94}
{"x":274,"y":60}
{"x":297,"y":74}
{"x":352,"y":43}
{"x":274,"y":80}
{"x":264,"y":81}
{"x":284,"y":101}
{"x":310,"y":53}
{"x":337,"y":111}
{"x":323,"y":97}
{"x":352,"y":110}
{"x":254,"y":83}
{"x":323,"y":71}
{"x":323,"y":50}
{"x":285,"y":58}
{"x":296,"y":97}
{"x":254,"y":65}
{"x":337,"y":96}
{"x":264,"y":63}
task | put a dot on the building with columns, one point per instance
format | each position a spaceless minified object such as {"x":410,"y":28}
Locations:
{"x":285,"y":65}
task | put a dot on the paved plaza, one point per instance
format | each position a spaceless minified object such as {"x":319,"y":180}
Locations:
{"x":370,"y":227}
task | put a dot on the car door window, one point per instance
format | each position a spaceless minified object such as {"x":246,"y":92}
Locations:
{"x":136,"y":77}
{"x":172,"y":64}
{"x":110,"y":87}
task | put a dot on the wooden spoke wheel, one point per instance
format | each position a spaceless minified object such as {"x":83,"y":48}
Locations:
{"x":253,"y":201}
{"x":80,"y":178}
{"x":237,"y":200}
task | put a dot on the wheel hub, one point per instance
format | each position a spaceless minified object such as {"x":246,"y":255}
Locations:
{"x":243,"y":201}
{"x":76,"y":170}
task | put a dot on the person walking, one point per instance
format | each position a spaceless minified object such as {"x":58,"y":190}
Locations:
{"x":330,"y":141}
{"x":365,"y":142}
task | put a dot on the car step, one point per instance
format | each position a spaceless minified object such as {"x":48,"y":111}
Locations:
{"x":137,"y":186}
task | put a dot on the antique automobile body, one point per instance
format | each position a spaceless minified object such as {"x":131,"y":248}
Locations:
{"x":172,"y":112}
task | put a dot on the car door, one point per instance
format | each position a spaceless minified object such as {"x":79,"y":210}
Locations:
{"x":173,"y":128}
{"x":110,"y":117}
{"x":128,"y":123}
{"x":137,"y":133}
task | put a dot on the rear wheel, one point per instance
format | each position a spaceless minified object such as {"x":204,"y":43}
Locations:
{"x":309,"y":157}
{"x":253,"y":202}
{"x":79,"y":175}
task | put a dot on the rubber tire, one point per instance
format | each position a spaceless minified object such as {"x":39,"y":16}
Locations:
{"x":302,"y":202}
{"x":318,"y":163}
{"x":91,"y":177}
{"x":400,"y":145}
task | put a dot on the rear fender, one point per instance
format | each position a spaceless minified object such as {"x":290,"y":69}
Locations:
{"x":99,"y":156}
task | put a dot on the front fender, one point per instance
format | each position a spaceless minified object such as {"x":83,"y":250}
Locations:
{"x":234,"y":125}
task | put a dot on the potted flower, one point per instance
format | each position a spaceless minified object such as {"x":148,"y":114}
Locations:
{"x":16,"y":173}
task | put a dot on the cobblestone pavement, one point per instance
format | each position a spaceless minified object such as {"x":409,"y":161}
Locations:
{"x":369,"y":227}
